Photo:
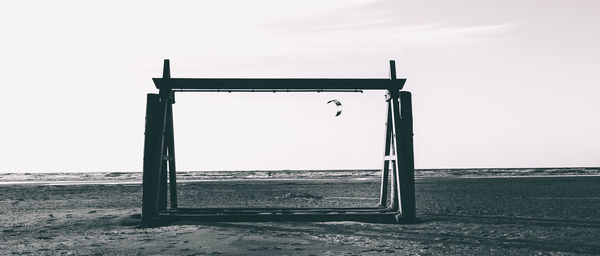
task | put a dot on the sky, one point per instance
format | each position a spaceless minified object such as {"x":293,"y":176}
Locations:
{"x":494,"y":83}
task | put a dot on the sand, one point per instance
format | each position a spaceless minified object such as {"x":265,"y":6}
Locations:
{"x":473,"y":216}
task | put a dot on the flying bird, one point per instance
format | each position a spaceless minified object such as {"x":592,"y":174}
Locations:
{"x":339,"y":106}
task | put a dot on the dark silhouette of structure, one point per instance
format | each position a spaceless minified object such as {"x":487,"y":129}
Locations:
{"x":159,"y":177}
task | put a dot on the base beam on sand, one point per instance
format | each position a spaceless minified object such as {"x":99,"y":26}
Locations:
{"x":375,"y":214}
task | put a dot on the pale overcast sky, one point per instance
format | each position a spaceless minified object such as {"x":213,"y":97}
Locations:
{"x":495,"y":83}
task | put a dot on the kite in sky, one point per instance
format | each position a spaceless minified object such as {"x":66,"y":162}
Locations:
{"x":339,"y":106}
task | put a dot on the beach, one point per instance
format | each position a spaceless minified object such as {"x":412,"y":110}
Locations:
{"x":553,"y":215}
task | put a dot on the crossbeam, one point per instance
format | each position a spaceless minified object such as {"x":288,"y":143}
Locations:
{"x":266,"y":90}
{"x":279,"y":83}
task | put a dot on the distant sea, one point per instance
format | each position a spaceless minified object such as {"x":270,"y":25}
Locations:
{"x":75,"y":178}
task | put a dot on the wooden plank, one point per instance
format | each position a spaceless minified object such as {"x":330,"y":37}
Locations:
{"x":397,"y":151}
{"x":392,"y":98}
{"x":166,"y":69}
{"x":267,"y":90}
{"x":389,"y":158}
{"x":383,"y":195}
{"x":278,"y":208}
{"x":149,"y":181}
{"x":408,"y":172}
{"x":273,"y":210}
{"x":305,"y":213}
{"x":161,"y":188}
{"x":279,"y":83}
{"x":394,"y":195}
{"x":163,"y":179}
{"x":171,"y":153}
{"x":310,"y":217}
{"x":279,"y":212}
{"x":405,"y":177}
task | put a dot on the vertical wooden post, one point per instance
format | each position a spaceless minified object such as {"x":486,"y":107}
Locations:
{"x":171,"y":152}
{"x":164,"y":96}
{"x":166,"y":69}
{"x":405,"y":172}
{"x":386,"y":162}
{"x":408,"y":172}
{"x":149,"y":177}
{"x":160,"y":172}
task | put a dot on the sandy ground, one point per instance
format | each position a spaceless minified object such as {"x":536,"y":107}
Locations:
{"x":483,"y":216}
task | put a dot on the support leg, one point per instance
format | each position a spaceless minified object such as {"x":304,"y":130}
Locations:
{"x":386,"y":162}
{"x":162,"y":196}
{"x":161,"y":188}
{"x":171,"y":152}
{"x":394,"y":197}
{"x":397,"y":149}
{"x":395,"y":194}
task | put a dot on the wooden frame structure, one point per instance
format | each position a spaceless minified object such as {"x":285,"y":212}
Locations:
{"x":159,"y":174}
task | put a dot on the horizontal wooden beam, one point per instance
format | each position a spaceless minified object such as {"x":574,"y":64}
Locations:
{"x":279,"y":83}
{"x":364,"y":217}
{"x":266,"y":90}
{"x":275,"y":210}
{"x":376,"y":217}
{"x":389,"y":158}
